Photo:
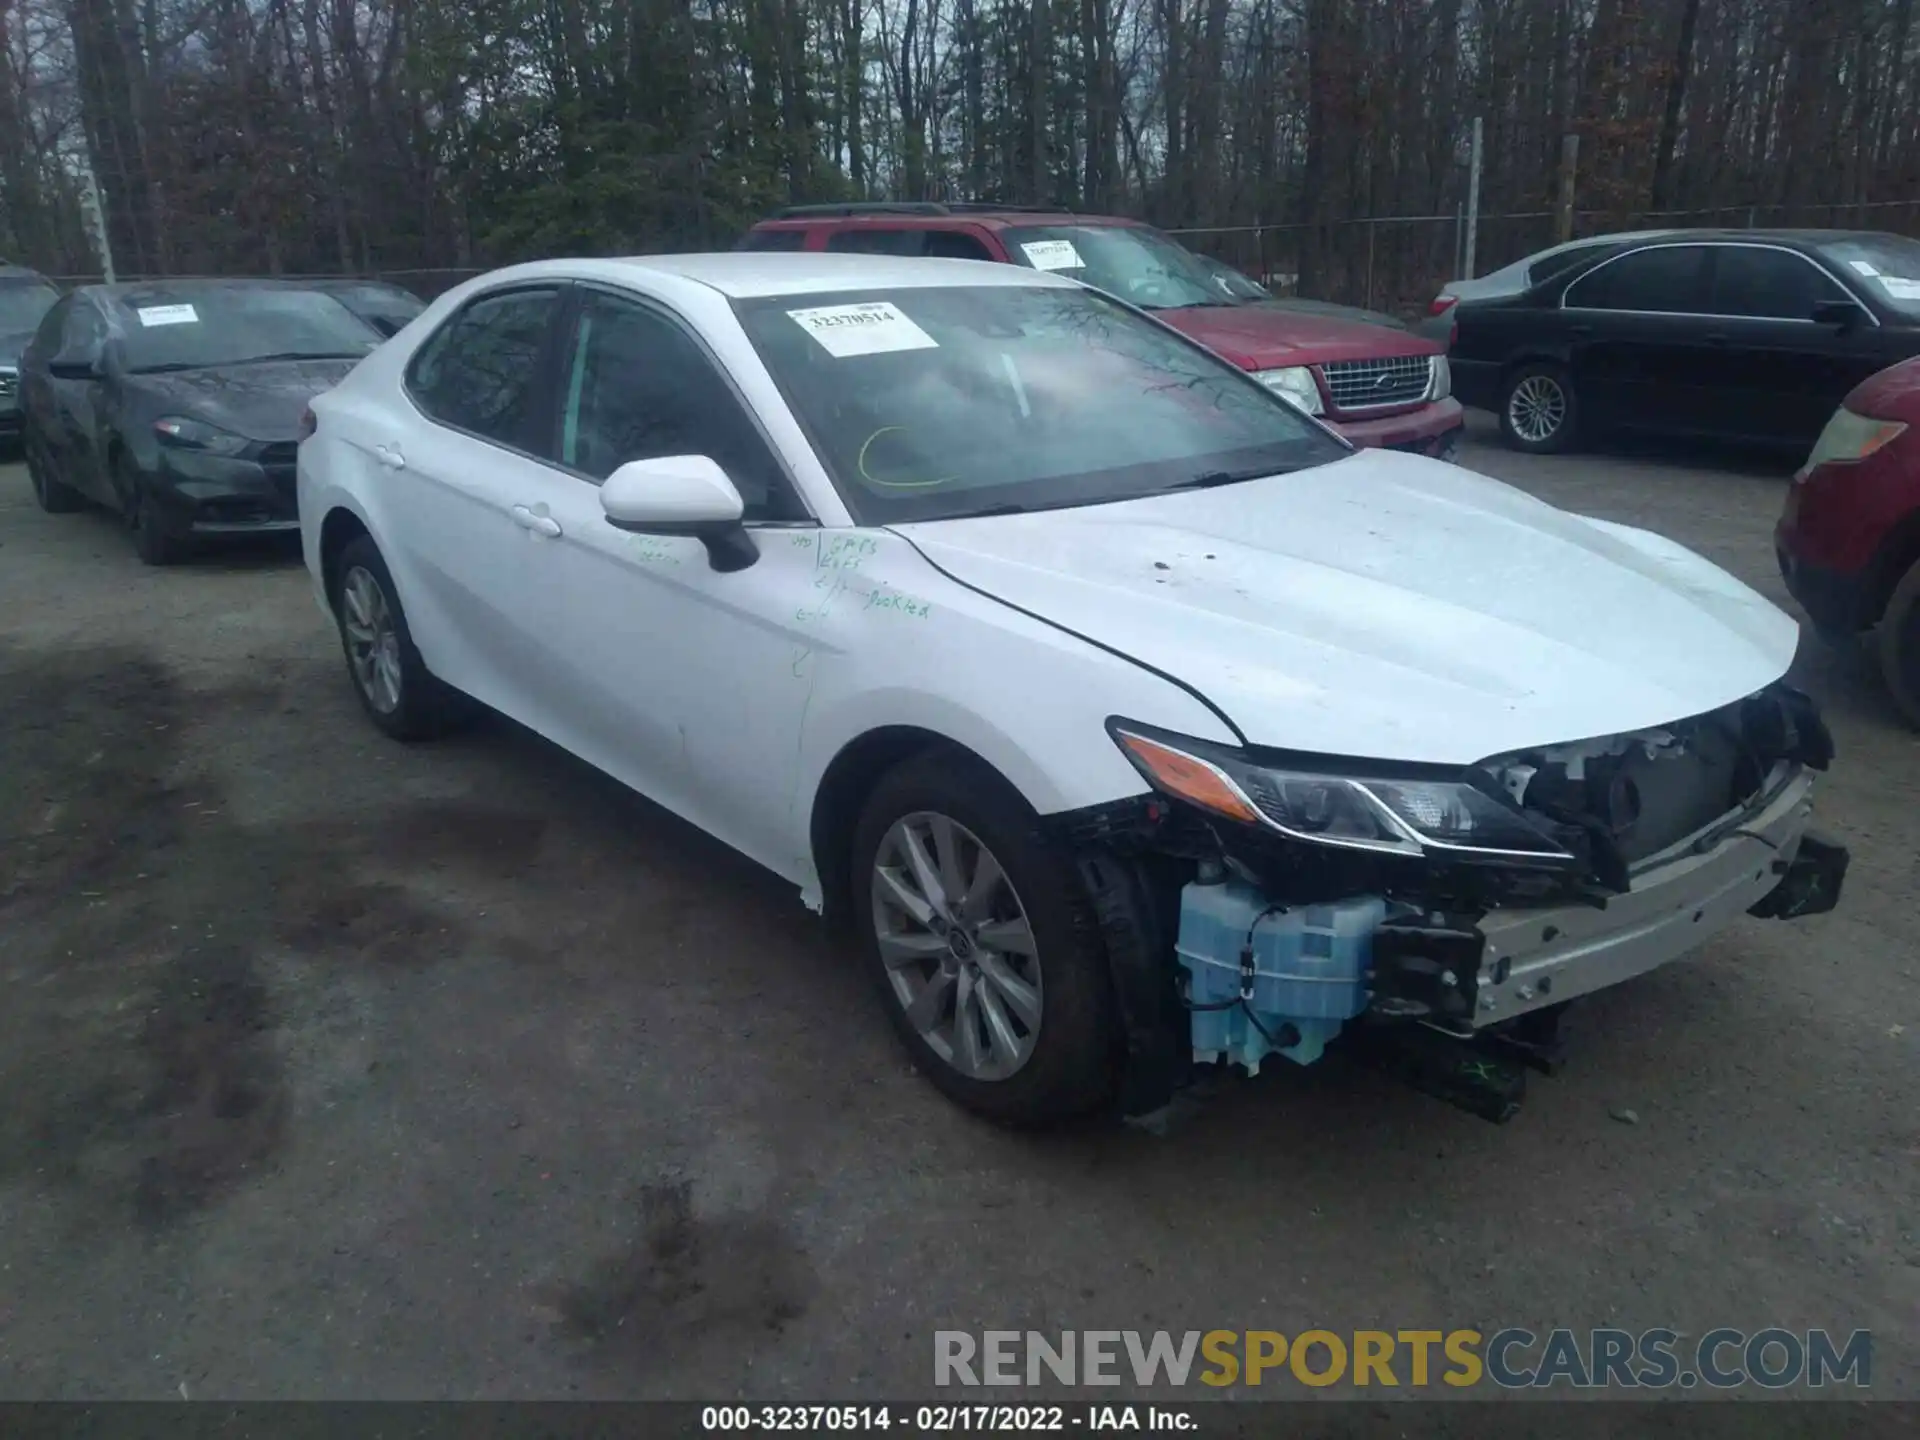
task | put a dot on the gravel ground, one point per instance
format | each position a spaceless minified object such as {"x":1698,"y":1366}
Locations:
{"x":335,"y":1068}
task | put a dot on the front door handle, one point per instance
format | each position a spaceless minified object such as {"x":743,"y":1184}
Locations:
{"x":390,"y":456}
{"x":539,"y":524}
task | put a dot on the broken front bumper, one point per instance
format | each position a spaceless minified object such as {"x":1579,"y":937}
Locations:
{"x":1534,"y":958}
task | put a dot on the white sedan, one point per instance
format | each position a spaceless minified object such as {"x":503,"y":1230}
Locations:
{"x":1134,"y":722}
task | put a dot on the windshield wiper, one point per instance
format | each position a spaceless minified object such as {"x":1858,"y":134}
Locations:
{"x":303,"y":355}
{"x":1208,"y":479}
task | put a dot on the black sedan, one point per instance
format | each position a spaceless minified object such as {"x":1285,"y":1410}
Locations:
{"x":178,"y":403}
{"x":1743,"y":335}
{"x":388,"y":308}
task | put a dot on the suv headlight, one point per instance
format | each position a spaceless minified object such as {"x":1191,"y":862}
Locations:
{"x":1426,"y":814}
{"x":1442,"y":385}
{"x":188,"y":434}
{"x":1849,"y":437}
{"x":1295,"y":383}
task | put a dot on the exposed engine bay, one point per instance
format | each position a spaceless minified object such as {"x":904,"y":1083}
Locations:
{"x":1438,"y":922}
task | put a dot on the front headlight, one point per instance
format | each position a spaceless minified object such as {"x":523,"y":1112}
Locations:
{"x":188,"y":434}
{"x":1849,"y":437}
{"x":1379,"y":812}
{"x":1442,"y":385}
{"x":1295,"y":383}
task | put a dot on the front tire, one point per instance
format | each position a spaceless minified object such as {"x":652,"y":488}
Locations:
{"x":50,"y":494}
{"x":982,"y":943}
{"x":1538,"y":411}
{"x":153,"y":542}
{"x":400,"y":695}
{"x":1899,"y":645}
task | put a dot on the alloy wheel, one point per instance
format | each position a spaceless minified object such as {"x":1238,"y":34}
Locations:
{"x":957,"y":945}
{"x":1537,"y":408}
{"x":373,"y":640}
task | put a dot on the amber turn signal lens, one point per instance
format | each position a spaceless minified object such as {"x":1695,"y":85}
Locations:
{"x":1190,"y":779}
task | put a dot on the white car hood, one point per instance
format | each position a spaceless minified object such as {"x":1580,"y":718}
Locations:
{"x":1387,"y":607}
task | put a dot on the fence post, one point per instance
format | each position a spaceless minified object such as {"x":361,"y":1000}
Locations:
{"x":1459,"y":238}
{"x":1569,"y":162}
{"x":1473,"y":201}
{"x":1372,"y":230}
{"x":96,"y":217}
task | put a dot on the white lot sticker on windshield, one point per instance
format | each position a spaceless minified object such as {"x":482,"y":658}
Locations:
{"x":1053,"y":255}
{"x":168,"y":315}
{"x":1863,"y":268}
{"x":1900,"y":288}
{"x":873,"y":327}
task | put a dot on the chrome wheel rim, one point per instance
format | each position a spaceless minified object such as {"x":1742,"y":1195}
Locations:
{"x":373,"y":642}
{"x":1537,"y":408}
{"x":957,"y":945}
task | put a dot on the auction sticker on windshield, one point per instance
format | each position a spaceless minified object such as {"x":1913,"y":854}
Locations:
{"x":1053,"y":255}
{"x":1900,"y":288}
{"x":873,"y":327}
{"x":168,"y":315}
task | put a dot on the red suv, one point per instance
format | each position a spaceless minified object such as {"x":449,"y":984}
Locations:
{"x":1849,"y":538}
{"x":1375,"y":385}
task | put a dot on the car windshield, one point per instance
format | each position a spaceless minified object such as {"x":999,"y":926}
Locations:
{"x":23,"y":306}
{"x":1141,"y":266}
{"x":198,"y":328}
{"x":1232,"y":283}
{"x":962,"y":400}
{"x":1889,"y":266}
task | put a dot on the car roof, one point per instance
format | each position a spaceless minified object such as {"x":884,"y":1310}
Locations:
{"x":20,"y":274}
{"x":745,"y":274}
{"x":932,"y":216}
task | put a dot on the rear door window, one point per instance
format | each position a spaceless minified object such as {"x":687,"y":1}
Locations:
{"x":1667,"y":279}
{"x":481,"y":371}
{"x":877,"y":240}
{"x":774,"y":240}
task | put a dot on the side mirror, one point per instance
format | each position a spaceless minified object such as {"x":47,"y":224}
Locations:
{"x":681,"y":495}
{"x":1844,"y":314}
{"x":74,"y":369}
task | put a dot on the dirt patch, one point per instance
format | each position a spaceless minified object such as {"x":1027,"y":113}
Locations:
{"x":139,"y":1037}
{"x":686,"y":1278}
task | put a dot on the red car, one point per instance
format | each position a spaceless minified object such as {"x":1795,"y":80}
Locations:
{"x":1849,"y":538}
{"x":1376,"y":386}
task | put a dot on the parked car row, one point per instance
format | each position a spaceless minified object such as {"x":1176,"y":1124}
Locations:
{"x":177,"y":403}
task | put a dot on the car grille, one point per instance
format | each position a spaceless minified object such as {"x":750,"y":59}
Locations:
{"x":1371,"y":384}
{"x":9,"y":384}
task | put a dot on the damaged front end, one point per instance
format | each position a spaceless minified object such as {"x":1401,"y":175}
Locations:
{"x":1437,"y":921}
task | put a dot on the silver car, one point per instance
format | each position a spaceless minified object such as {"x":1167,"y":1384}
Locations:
{"x":1521,"y":275}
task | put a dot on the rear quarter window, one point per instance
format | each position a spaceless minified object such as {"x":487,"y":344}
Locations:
{"x":773,"y":240}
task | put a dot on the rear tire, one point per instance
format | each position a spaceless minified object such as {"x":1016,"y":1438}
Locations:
{"x":1538,"y":411}
{"x":1026,"y":978}
{"x":50,"y":494}
{"x":1899,"y":645}
{"x":400,"y":695}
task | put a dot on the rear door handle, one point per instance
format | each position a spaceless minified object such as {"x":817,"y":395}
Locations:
{"x":390,"y":456}
{"x":539,"y":524}
{"x":1716,"y":338}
